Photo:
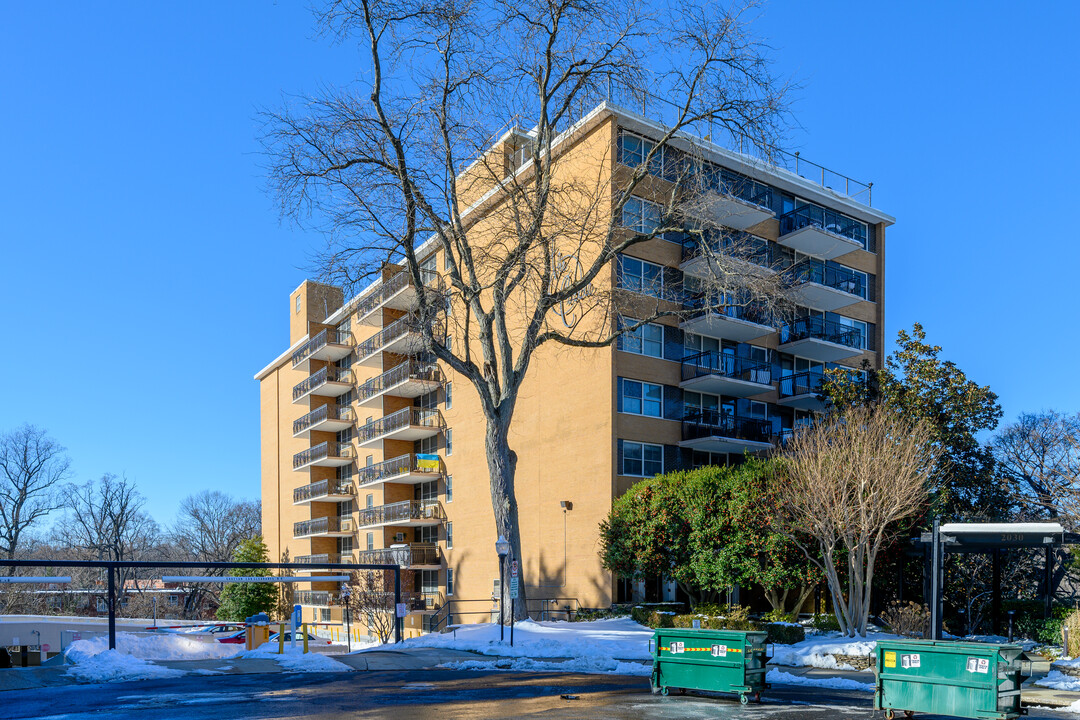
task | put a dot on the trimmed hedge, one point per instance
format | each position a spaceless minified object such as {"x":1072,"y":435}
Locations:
{"x":729,"y":618}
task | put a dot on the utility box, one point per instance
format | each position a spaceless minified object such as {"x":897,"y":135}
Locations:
{"x":728,"y":661}
{"x":257,"y":631}
{"x":961,"y":679}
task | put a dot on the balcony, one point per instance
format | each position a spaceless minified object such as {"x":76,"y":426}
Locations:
{"x":825,"y":234}
{"x":411,"y":423}
{"x":409,"y":513}
{"x":328,"y":345}
{"x":321,"y":559}
{"x":816,"y":338}
{"x":725,"y":252}
{"x":723,"y":374}
{"x":730,"y":200}
{"x":731,"y":322}
{"x":325,"y":418}
{"x":323,"y":491}
{"x":401,"y":337}
{"x":402,"y":469}
{"x":410,"y":379}
{"x":327,"y":382}
{"x":814,"y":284}
{"x":405,"y":555}
{"x":323,"y":527}
{"x":325,"y":454}
{"x":800,"y":391}
{"x":398,"y":293}
{"x":425,"y":601}
{"x":318,"y":598}
{"x":710,"y":430}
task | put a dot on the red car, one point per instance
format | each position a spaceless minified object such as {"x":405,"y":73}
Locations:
{"x":234,"y":637}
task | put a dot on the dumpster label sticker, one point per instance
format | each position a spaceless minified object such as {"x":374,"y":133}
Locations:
{"x":910,"y":661}
{"x":978,"y":665}
{"x":678,"y":647}
{"x":890,"y":659}
{"x":719,"y":651}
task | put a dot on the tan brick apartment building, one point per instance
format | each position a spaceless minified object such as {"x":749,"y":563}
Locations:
{"x":351,"y":404}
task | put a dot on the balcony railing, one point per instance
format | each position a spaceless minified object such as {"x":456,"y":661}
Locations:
{"x":827,"y":220}
{"x":320,"y":341}
{"x":731,"y":243}
{"x":320,"y":378}
{"x":313,"y":597}
{"x":400,"y":420}
{"x":394,"y":285}
{"x":804,"y":383}
{"x":394,"y":331}
{"x":712,"y":362}
{"x":749,"y":312}
{"x":816,"y":271}
{"x":322,"y":526}
{"x":711,"y":422}
{"x":322,"y":414}
{"x":320,"y":559}
{"x":322,"y":451}
{"x":717,"y":179}
{"x":395,"y":467}
{"x":405,"y":555}
{"x":409,"y":370}
{"x":322,"y":488}
{"x":400,"y":512}
{"x":818,"y":328}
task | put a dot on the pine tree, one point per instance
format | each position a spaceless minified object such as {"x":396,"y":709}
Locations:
{"x":242,"y":600}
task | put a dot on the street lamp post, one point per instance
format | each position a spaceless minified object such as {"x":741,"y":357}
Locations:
{"x":502,"y":549}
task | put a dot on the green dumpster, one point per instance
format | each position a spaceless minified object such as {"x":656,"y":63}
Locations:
{"x":961,"y":679}
{"x":715,"y":660}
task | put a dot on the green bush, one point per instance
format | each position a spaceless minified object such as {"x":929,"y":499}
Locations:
{"x":784,"y":634}
{"x":825,"y":623}
{"x":1028,"y":621}
{"x":586,"y":614}
{"x":774,"y":616}
{"x":653,"y":616}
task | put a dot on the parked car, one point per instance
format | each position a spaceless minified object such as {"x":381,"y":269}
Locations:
{"x":233,"y":637}
{"x":312,"y":639}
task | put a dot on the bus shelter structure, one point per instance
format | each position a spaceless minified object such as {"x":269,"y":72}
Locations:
{"x":993,"y":539}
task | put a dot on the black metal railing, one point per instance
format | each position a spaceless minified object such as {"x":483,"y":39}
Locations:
{"x":329,"y":449}
{"x":731,"y":243}
{"x":711,"y":304}
{"x":804,"y":383}
{"x":816,"y":271}
{"x":320,"y":526}
{"x":818,"y":328}
{"x":322,"y":488}
{"x":408,"y":370}
{"x":721,"y":180}
{"x":404,"y":555}
{"x":711,"y":422}
{"x":322,"y":414}
{"x":824,"y":219}
{"x":395,"y":467}
{"x":712,"y":362}
{"x":404,"y":418}
{"x":399,"y":512}
{"x":392,"y":286}
{"x":320,"y":378}
{"x":313,"y":597}
{"x":394,"y":331}
{"x":324,"y":338}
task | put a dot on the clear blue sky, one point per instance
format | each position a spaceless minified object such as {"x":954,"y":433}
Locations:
{"x":146,"y":273}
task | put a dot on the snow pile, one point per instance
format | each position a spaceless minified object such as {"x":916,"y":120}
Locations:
{"x":115,"y":666}
{"x":779,"y":676}
{"x":152,"y":647}
{"x":1057,"y":680}
{"x":586,"y":665}
{"x":820,"y":651}
{"x":296,"y":660}
{"x":600,"y":640}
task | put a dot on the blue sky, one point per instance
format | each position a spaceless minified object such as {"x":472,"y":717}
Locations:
{"x":147,"y":274}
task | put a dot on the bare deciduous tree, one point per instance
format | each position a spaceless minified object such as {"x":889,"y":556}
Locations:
{"x":371,"y":601}
{"x":33,"y":468}
{"x":410,"y":157}
{"x":1039,"y":457}
{"x":847,"y":481}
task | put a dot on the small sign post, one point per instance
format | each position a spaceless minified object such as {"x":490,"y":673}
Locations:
{"x":346,"y":593}
{"x":402,"y":610}
{"x":513,"y":596}
{"x":297,"y":612}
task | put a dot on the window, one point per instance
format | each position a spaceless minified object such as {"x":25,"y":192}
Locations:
{"x":641,"y":215}
{"x":173,"y":600}
{"x":641,"y":276}
{"x":449,"y":535}
{"x":370,"y":500}
{"x":428,"y":401}
{"x":324,"y":615}
{"x":345,"y":546}
{"x":633,"y":149}
{"x":428,"y":445}
{"x":695,"y":402}
{"x":103,"y":606}
{"x":428,"y":534}
{"x":371,"y":541}
{"x":700,"y":343}
{"x":447,"y":264}
{"x":297,"y":304}
{"x":758,"y":409}
{"x":646,"y":340}
{"x":642,"y":459}
{"x":449,"y":441}
{"x":346,"y":509}
{"x":449,"y":488}
{"x":857,"y":325}
{"x":370,"y":460}
{"x":448,"y":396}
{"x":427,"y":492}
{"x":449,"y":581}
{"x":642,"y":398}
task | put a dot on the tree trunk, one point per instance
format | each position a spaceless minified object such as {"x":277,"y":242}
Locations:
{"x":502,"y":466}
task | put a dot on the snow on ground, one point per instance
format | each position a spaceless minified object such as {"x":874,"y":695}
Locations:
{"x":587,"y":665}
{"x":779,"y":676}
{"x":819,"y":651}
{"x":166,"y":646}
{"x":1057,"y":680}
{"x":115,"y":666}
{"x":602,"y":640}
{"x":296,"y":660}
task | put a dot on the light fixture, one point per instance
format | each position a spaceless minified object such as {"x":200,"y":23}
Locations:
{"x":502,"y":547}
{"x":566,"y":505}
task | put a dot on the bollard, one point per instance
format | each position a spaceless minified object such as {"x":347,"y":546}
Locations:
{"x":281,"y":639}
{"x":305,"y":638}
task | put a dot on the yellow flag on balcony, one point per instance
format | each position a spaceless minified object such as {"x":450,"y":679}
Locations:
{"x":427,"y":462}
